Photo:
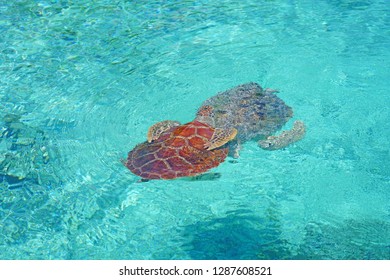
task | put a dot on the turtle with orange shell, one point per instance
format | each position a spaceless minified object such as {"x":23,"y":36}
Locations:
{"x":173,"y":150}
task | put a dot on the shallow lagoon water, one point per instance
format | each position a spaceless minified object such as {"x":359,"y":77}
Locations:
{"x":83,"y":82}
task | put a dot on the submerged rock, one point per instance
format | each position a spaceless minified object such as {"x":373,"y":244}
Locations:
{"x":22,"y":151}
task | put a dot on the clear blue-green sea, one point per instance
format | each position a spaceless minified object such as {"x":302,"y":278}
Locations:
{"x":82,"y":81}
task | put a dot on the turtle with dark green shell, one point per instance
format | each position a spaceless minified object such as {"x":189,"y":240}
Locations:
{"x":256,"y":113}
{"x":173,"y":150}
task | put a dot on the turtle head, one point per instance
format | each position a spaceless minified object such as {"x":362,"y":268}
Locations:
{"x":205,"y":115}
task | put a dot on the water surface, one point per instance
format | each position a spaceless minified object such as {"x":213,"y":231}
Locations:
{"x":80,"y":83}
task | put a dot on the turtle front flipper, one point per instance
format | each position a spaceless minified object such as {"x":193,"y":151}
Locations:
{"x":157,"y":129}
{"x":286,"y":138}
{"x":220,"y":137}
{"x":237,"y":149}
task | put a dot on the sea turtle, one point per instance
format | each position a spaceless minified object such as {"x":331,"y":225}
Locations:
{"x":256,"y":113}
{"x":173,"y":150}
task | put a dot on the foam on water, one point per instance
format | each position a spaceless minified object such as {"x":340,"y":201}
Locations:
{"x":93,"y":77}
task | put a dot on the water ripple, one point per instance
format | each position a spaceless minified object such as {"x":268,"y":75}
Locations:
{"x":80,"y":85}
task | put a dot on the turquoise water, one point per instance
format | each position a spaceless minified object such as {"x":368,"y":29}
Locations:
{"x":81,"y":83}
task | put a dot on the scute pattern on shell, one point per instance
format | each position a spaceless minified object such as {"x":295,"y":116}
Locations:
{"x":178,"y":152}
{"x":255,"y":112}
